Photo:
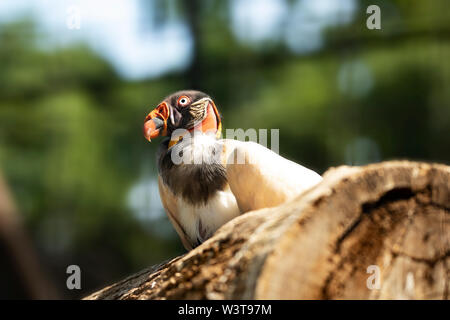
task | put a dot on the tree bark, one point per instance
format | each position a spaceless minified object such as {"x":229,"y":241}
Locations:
{"x":374,"y":232}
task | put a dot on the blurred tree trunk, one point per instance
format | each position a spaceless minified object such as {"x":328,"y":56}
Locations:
{"x":374,"y":232}
{"x":193,"y":19}
{"x":19,"y":249}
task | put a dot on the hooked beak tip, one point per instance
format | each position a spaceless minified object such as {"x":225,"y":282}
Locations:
{"x":156,"y":121}
{"x":152,"y":128}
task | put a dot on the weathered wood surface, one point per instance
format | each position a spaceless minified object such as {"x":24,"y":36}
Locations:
{"x":393,"y":215}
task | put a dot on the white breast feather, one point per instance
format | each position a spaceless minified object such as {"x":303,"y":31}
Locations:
{"x":219,"y":209}
{"x":265,"y":180}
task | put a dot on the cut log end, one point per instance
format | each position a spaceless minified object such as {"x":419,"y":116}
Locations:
{"x":374,"y":232}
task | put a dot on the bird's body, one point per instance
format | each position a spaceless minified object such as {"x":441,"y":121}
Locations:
{"x":196,"y":197}
{"x":205,"y":181}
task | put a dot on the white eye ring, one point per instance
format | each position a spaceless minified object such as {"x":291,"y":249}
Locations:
{"x":183,"y":101}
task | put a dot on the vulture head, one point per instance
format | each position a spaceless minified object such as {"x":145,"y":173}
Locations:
{"x":188,"y":110}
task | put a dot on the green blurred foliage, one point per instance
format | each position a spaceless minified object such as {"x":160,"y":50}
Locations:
{"x":71,"y":146}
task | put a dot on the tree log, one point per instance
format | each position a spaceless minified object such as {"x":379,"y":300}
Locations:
{"x":375,"y":232}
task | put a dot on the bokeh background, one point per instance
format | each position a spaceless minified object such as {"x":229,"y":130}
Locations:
{"x":77,"y":78}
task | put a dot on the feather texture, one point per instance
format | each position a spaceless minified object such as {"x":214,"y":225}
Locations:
{"x":204,"y":182}
{"x":254,"y":178}
{"x":260,"y":178}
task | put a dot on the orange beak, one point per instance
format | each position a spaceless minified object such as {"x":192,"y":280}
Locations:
{"x":156,"y":122}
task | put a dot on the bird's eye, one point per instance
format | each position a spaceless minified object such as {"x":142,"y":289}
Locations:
{"x":183,"y":100}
